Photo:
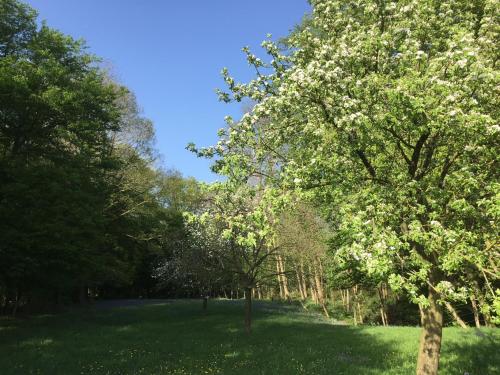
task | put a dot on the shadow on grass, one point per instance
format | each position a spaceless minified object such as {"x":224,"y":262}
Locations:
{"x":472,"y":352}
{"x":179,"y":338}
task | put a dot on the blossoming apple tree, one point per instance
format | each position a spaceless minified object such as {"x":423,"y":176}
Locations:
{"x":386,"y":112}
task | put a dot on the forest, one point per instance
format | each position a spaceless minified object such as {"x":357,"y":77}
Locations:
{"x":360,"y":188}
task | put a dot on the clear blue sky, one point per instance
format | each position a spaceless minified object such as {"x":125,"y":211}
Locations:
{"x":170,"y":53}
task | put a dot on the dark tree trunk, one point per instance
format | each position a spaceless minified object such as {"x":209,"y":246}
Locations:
{"x":299,"y":285}
{"x":205,"y":303}
{"x":432,"y":332}
{"x":16,"y":304}
{"x":382,"y":292}
{"x":83,"y":298}
{"x":303,"y":278}
{"x":248,"y":310}
{"x":4,"y":304}
{"x":475,"y":311}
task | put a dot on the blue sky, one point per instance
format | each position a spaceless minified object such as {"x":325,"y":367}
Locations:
{"x":170,"y":53}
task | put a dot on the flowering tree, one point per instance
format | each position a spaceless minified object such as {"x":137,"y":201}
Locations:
{"x":387,"y":113}
{"x":236,"y":237}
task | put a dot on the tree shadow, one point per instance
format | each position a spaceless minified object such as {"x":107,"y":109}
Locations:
{"x":472,"y":352}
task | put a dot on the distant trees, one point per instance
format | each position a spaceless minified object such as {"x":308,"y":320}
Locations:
{"x":302,"y":237}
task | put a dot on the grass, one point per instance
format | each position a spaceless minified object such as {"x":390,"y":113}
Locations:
{"x":178,"y":338}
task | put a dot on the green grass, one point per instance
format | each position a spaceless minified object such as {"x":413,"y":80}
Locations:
{"x":178,"y":338}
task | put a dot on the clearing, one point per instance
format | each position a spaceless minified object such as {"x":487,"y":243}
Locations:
{"x":177,"y":337}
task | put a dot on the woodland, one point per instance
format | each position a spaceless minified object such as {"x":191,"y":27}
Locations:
{"x":358,"y":192}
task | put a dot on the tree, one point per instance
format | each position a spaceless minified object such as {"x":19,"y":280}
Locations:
{"x":386,"y":112}
{"x":55,"y":116}
{"x":17,"y":27}
{"x":183,"y":194}
{"x":238,"y":223}
{"x":79,"y":197}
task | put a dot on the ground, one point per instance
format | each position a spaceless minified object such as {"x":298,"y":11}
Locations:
{"x":177,"y":337}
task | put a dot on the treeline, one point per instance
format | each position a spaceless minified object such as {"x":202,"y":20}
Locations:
{"x":84,"y":210}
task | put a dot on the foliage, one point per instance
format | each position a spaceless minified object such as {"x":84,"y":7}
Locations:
{"x":82,"y":205}
{"x":383,"y":113}
{"x":55,"y":116}
{"x":236,"y":230}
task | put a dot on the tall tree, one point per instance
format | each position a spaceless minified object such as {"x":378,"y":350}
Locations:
{"x":387,"y":112}
{"x":73,"y":164}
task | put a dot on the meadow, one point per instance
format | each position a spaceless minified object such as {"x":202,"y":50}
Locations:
{"x":178,"y":337}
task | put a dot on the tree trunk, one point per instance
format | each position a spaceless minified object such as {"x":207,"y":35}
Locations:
{"x":382,"y":292}
{"x":314,"y":295}
{"x":431,"y":336}
{"x":284,"y":279}
{"x":16,"y":304}
{"x":303,"y":278}
{"x":382,"y":316}
{"x":248,"y":310}
{"x":421,"y":311}
{"x":355,"y":316}
{"x":455,"y":315}
{"x":319,"y":286}
{"x":356,"y":306}
{"x":4,"y":303}
{"x":299,"y":285}
{"x":280,"y":282}
{"x":320,"y":292}
{"x":475,"y":311}
{"x":205,"y":303}
{"x":83,"y":294}
{"x":360,"y":313}
{"x":314,"y":292}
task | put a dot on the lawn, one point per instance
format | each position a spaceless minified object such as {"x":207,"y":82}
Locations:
{"x":179,"y":338}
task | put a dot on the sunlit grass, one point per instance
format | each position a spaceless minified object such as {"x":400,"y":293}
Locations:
{"x":179,"y":338}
